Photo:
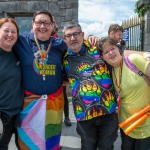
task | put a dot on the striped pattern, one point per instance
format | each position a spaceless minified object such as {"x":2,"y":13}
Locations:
{"x":41,"y":122}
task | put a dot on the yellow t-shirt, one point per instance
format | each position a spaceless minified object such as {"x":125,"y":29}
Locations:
{"x":135,"y":94}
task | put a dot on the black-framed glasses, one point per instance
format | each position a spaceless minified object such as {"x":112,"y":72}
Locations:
{"x":75,"y":35}
{"x":39,"y":23}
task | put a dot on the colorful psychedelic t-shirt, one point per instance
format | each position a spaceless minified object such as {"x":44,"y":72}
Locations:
{"x":93,"y":92}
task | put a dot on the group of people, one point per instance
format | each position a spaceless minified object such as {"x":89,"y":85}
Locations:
{"x":33,"y":69}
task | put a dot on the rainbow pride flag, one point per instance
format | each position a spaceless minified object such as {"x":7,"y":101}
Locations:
{"x":41,"y":121}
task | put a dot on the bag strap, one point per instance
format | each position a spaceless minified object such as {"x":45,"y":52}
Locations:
{"x":131,"y":66}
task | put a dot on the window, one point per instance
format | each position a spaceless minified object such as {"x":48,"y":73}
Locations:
{"x":24,"y":23}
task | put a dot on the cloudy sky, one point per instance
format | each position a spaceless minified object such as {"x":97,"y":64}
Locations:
{"x":95,"y":16}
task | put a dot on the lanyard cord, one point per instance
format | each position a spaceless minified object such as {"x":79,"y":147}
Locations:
{"x":37,"y":43}
{"x":118,"y":82}
{"x":43,"y":54}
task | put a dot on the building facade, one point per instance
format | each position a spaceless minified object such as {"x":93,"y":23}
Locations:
{"x":23,"y":10}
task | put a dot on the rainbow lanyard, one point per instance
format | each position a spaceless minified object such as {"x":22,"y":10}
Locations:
{"x":43,"y":54}
{"x":39,"y":49}
{"x":118,"y":82}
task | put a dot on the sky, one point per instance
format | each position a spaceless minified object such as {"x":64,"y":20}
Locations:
{"x":95,"y":16}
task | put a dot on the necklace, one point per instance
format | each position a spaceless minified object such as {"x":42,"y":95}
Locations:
{"x":117,"y":81}
{"x":43,"y":55}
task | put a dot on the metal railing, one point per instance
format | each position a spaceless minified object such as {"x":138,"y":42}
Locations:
{"x":133,"y":33}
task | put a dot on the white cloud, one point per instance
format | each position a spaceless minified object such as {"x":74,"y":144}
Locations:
{"x":95,"y":16}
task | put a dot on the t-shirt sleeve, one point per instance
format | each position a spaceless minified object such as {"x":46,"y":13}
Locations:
{"x":139,"y":61}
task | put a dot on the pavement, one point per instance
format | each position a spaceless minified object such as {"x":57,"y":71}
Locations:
{"x":70,"y":140}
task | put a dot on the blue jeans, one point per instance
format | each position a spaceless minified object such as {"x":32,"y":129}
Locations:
{"x":129,"y":143}
{"x":100,"y":132}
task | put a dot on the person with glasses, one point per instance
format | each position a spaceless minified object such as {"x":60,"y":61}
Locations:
{"x":93,"y":94}
{"x":41,"y":57}
{"x":133,"y":92}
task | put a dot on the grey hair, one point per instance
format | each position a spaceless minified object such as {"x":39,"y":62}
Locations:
{"x":71,"y":25}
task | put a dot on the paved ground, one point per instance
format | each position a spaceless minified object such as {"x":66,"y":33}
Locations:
{"x":70,"y":139}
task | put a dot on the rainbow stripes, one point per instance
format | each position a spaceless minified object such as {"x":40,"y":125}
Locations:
{"x":41,"y":122}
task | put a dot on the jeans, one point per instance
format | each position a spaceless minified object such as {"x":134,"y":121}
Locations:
{"x":129,"y":143}
{"x":100,"y":132}
{"x":9,"y":128}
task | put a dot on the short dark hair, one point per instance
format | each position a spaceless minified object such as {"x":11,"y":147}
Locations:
{"x":114,"y":28}
{"x":43,"y":12}
{"x":104,"y":41}
{"x":70,"y":25}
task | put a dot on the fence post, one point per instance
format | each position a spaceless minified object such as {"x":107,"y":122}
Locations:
{"x":142,"y":35}
{"x":146,"y":41}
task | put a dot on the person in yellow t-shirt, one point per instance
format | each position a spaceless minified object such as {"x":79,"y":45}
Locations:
{"x":133,"y":92}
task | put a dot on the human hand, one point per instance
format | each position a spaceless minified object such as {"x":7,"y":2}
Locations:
{"x":93,"y":40}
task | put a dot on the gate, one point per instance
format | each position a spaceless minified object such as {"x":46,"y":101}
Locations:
{"x":133,"y":30}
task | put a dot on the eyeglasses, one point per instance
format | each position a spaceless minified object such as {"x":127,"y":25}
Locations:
{"x":75,"y":35}
{"x":39,"y":23}
{"x":109,"y":50}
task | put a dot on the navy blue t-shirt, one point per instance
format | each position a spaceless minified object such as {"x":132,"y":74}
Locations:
{"x":32,"y":68}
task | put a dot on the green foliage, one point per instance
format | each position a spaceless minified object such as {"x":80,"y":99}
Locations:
{"x":140,"y":11}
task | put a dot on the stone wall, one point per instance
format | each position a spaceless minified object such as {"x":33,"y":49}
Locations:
{"x":146,"y":46}
{"x":63,"y":10}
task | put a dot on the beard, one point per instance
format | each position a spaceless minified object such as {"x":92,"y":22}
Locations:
{"x":75,"y":48}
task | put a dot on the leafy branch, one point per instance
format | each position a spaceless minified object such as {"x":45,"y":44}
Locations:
{"x":140,"y":10}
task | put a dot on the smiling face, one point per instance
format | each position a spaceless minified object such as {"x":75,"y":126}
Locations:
{"x":42,"y":26}
{"x":74,"y":38}
{"x":111,"y":54}
{"x":8,"y":35}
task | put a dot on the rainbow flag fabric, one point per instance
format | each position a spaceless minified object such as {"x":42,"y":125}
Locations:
{"x":41,"y":121}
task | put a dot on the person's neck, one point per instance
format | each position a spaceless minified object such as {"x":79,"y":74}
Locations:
{"x":42,"y":38}
{"x":117,"y":64}
{"x":6,"y":48}
{"x":76,"y":49}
